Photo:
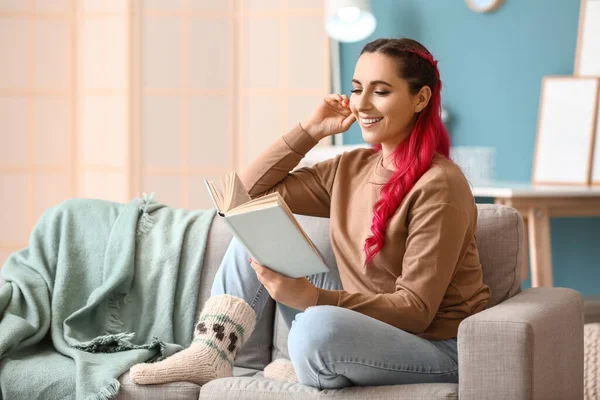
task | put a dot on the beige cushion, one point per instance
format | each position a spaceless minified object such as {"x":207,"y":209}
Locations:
{"x":260,"y":388}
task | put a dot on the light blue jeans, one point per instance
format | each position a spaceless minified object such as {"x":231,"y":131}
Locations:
{"x":333,"y":347}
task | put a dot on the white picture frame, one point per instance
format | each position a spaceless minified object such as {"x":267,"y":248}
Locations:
{"x":587,"y":58}
{"x":566,"y":130}
{"x":595,"y":178}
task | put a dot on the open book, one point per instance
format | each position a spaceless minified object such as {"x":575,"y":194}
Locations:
{"x":266,"y":228}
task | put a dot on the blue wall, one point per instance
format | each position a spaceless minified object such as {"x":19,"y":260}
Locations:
{"x":492,"y":66}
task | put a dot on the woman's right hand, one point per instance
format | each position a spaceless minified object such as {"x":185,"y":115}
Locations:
{"x":332,"y":116}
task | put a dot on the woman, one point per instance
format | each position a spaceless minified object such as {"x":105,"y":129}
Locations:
{"x":403,"y":222}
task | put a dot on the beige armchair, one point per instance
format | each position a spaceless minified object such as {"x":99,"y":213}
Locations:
{"x":525,"y":345}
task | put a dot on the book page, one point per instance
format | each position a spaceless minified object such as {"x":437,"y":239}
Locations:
{"x":267,"y":201}
{"x":235,"y":192}
{"x":215,"y":195}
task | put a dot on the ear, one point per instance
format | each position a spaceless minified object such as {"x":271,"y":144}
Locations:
{"x":422,"y":99}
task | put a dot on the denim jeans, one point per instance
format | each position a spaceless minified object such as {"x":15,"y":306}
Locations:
{"x":333,"y":347}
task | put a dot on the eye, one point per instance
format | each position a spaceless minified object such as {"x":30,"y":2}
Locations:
{"x":382,"y":93}
{"x":356,"y":91}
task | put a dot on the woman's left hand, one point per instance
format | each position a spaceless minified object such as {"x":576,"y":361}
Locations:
{"x":296,"y":293}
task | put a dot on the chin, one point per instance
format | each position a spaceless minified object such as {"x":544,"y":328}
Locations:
{"x":371,"y":138}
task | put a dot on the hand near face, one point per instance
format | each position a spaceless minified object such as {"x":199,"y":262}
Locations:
{"x":332,"y":116}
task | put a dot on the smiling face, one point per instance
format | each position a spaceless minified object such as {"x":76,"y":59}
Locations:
{"x":382,"y":101}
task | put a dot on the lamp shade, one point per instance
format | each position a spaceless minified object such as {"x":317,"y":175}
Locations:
{"x":349,"y":20}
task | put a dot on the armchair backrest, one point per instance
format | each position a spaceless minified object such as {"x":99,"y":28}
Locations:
{"x":500,"y":238}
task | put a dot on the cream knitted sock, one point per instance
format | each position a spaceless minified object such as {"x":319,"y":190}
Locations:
{"x":281,"y":369}
{"x":224,"y":325}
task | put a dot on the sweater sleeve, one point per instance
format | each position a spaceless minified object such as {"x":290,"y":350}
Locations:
{"x":306,"y":190}
{"x":434,"y":248}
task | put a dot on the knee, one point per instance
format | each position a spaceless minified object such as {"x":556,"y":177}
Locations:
{"x":312,"y":330}
{"x":236,"y":245}
{"x":312,"y":342}
{"x":236,"y":250}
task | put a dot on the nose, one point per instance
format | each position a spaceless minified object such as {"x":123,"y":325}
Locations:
{"x":363,"y":102}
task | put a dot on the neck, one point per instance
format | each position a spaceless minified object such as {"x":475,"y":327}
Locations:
{"x":388,"y":159}
{"x":387,"y":149}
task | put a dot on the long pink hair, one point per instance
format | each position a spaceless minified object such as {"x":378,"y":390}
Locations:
{"x":413,"y":156}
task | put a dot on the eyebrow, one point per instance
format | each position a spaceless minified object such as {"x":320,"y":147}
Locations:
{"x":372,"y":82}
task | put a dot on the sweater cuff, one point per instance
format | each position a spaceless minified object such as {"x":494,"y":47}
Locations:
{"x":327,"y":297}
{"x":299,"y":140}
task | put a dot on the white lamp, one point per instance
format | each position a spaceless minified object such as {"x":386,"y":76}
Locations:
{"x":349,"y":20}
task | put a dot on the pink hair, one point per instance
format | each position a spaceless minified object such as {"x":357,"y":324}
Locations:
{"x":414,"y":155}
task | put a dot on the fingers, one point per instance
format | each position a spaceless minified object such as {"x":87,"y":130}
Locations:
{"x":261,"y":270}
{"x":338,"y":106}
{"x":347,"y":123}
{"x":345,"y":101}
{"x":335,"y":100}
{"x":256,"y":266}
{"x":334,"y":97}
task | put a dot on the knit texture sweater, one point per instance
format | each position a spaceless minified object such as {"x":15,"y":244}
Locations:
{"x":427,"y":277}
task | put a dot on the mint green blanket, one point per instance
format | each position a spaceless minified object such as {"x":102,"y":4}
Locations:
{"x":101,"y":286}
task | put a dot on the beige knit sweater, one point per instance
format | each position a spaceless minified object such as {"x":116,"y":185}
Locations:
{"x":427,"y":278}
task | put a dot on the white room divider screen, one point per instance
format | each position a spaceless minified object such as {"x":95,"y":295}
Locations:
{"x":109,"y":99}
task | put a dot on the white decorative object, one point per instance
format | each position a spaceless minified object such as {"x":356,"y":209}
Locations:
{"x":349,"y":20}
{"x":477,"y":163}
{"x":322,"y":153}
{"x":566,"y":130}
{"x":587,"y":59}
{"x":595,"y":179}
{"x":444,"y":115}
{"x":482,"y":6}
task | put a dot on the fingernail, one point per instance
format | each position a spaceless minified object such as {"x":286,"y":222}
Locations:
{"x":250,"y":260}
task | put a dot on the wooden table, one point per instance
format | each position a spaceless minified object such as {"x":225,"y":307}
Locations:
{"x":537,"y":204}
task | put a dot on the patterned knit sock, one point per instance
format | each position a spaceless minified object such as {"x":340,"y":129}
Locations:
{"x":224,"y":325}
{"x":281,"y":370}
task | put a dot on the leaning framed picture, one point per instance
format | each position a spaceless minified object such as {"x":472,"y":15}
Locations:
{"x":587,"y":58}
{"x":567,"y":125}
{"x":596,"y":158}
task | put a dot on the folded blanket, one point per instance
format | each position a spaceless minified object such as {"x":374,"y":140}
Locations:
{"x":101,"y":286}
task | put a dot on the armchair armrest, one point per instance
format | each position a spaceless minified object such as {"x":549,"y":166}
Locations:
{"x":527,"y":347}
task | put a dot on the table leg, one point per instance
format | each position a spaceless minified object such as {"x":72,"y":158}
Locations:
{"x":525,"y":266}
{"x":539,"y":246}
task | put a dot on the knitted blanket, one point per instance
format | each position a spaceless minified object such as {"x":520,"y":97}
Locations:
{"x":101,"y":286}
{"x":591,"y":359}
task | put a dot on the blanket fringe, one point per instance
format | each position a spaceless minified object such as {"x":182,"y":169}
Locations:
{"x":108,"y":392}
{"x":109,"y":343}
{"x":122,"y":342}
{"x":146,"y":221}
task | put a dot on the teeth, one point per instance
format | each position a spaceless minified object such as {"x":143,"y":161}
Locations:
{"x":370,"y":120}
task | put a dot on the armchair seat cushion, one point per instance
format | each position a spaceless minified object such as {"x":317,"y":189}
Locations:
{"x":261,"y":388}
{"x":168,"y":391}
